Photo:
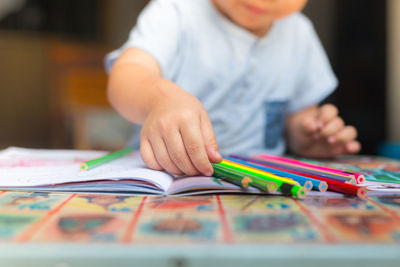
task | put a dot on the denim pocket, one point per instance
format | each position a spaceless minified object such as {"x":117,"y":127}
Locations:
{"x":276,"y":117}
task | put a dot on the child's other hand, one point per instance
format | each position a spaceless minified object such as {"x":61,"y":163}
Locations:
{"x":324,"y":134}
{"x":177,"y":135}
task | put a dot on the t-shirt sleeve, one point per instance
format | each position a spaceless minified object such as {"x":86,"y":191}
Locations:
{"x":316,"y":78}
{"x":157,"y":32}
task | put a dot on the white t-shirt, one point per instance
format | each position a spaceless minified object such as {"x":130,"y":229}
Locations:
{"x":247,"y":84}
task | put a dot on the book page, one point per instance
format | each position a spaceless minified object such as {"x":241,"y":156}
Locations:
{"x":20,"y":167}
{"x":205,"y":184}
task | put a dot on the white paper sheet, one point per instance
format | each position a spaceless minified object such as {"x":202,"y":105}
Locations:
{"x":21,"y":167}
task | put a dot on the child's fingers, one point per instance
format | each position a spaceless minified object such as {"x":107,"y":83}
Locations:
{"x":309,"y":124}
{"x":177,"y":152}
{"x":162,"y":155}
{"x":349,"y":133}
{"x":210,"y":139}
{"x":195,"y":147}
{"x":353,"y":147}
{"x":148,"y":156}
{"x":332,"y":127}
{"x":327,"y":113}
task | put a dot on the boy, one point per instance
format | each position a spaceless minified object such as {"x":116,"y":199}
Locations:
{"x":252,"y":69}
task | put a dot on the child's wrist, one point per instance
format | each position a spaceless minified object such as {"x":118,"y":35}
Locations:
{"x":158,"y":94}
{"x":164,"y":90}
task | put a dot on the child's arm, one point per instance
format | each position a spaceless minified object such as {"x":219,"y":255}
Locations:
{"x":320,"y":132}
{"x":177,"y":134}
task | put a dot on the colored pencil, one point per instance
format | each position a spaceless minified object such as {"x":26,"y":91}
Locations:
{"x":315,"y":172}
{"x":349,"y":189}
{"x":285,"y":185}
{"x":308,"y":182}
{"x":88,"y":165}
{"x":360,"y":178}
{"x":242,"y":179}
{"x":333,"y":185}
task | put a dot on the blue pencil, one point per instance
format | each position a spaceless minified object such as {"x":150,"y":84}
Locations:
{"x":316,"y":184}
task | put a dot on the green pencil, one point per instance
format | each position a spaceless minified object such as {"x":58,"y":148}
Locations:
{"x":284,"y":187}
{"x":242,"y":179}
{"x":88,"y":165}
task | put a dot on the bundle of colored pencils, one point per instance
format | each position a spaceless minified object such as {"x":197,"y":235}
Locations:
{"x":288,"y":176}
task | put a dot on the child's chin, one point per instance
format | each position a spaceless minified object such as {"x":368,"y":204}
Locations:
{"x":256,"y":28}
{"x":254,"y":24}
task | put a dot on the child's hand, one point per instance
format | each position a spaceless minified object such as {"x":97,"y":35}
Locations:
{"x":320,"y":132}
{"x":177,"y":135}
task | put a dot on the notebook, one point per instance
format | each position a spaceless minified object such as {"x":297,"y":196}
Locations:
{"x":43,"y":170}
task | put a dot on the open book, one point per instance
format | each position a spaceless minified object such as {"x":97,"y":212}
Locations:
{"x":58,"y":171}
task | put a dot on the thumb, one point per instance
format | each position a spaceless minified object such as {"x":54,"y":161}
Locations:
{"x":210,"y":140}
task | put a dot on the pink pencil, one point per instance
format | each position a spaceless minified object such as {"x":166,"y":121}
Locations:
{"x":359,"y":178}
{"x":345,"y":177}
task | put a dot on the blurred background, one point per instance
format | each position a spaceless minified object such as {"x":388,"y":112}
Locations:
{"x":52,"y":80}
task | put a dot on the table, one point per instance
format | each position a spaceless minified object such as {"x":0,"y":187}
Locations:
{"x":78,"y":229}
{"x":69,"y":229}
